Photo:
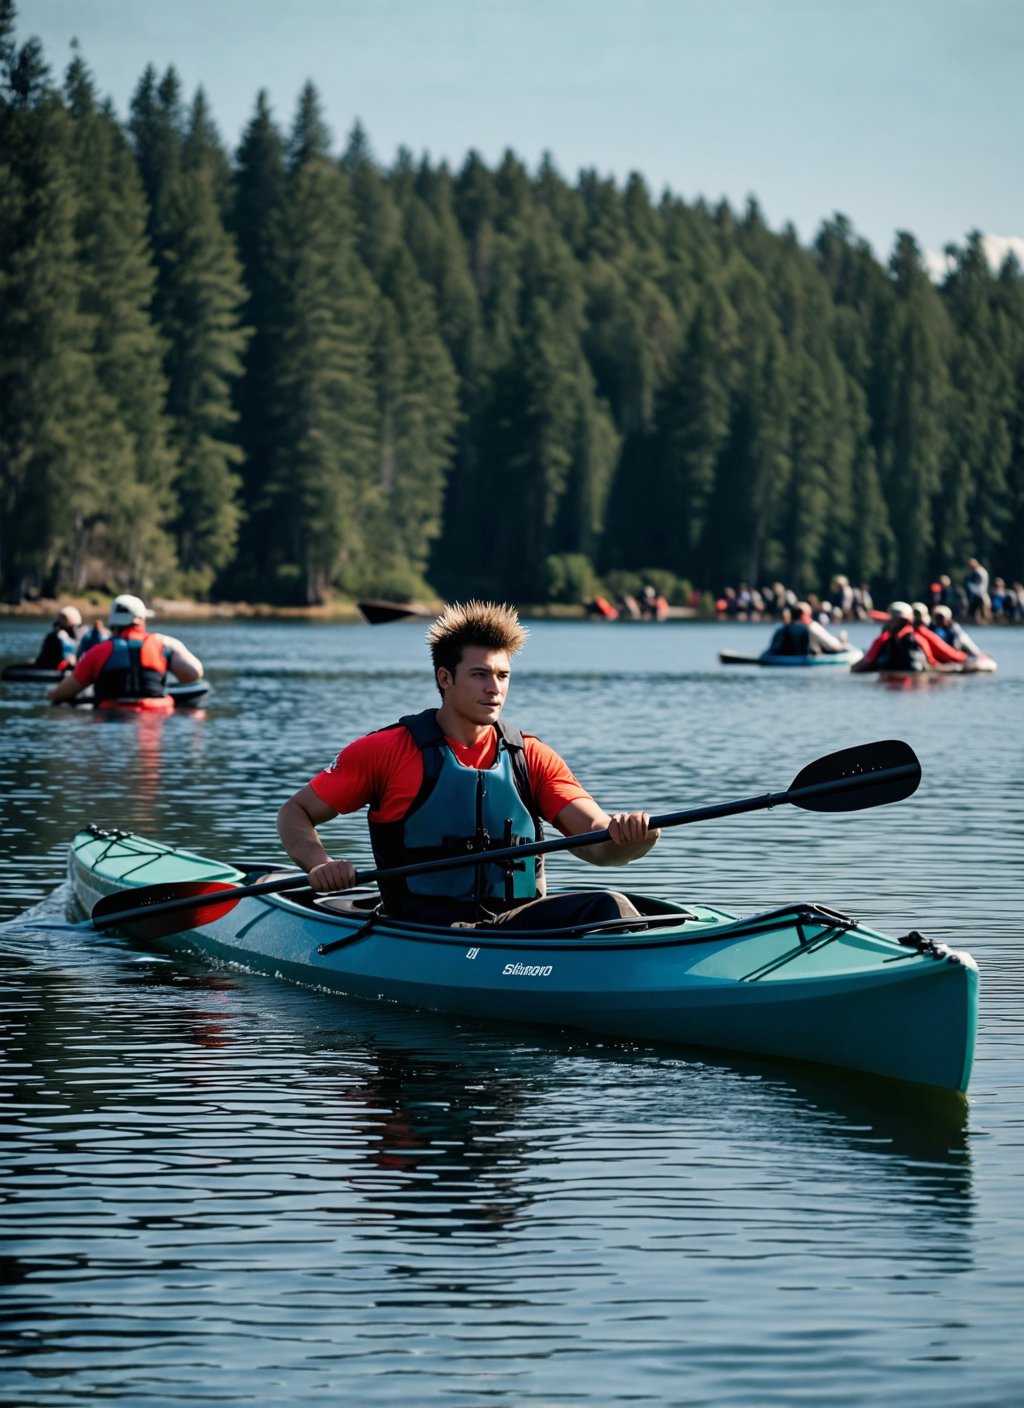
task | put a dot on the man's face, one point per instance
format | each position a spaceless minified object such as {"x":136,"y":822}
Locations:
{"x":477,"y":689}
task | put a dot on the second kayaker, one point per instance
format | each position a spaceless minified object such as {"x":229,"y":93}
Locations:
{"x":59,"y":647}
{"x":800,"y":634}
{"x":130,"y":668}
{"x":457,"y":780}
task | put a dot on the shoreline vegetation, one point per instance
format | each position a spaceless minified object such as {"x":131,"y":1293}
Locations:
{"x":45,"y":608}
{"x":338,"y":612}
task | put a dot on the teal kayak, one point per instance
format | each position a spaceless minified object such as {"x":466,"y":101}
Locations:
{"x":837,"y":659}
{"x":801,"y":982}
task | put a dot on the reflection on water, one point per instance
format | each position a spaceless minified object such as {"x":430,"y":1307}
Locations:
{"x":200,"y":1145}
{"x":221,"y":1188}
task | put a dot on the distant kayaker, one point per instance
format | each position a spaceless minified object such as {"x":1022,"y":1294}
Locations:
{"x":951,"y":631}
{"x":130,"y":669}
{"x":457,"y":780}
{"x":800,"y":634}
{"x":906,"y":649}
{"x":59,"y":647}
{"x":96,"y":633}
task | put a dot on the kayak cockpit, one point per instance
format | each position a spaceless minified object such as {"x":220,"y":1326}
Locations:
{"x":364,"y":904}
{"x":810,"y":923}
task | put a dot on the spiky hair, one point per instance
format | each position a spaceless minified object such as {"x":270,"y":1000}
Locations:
{"x":485,"y":623}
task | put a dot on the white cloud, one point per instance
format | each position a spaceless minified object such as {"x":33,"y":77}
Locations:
{"x":936,"y":264}
{"x":996,"y":247}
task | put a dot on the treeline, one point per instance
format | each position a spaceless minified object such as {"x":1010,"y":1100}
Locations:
{"x":284,"y":372}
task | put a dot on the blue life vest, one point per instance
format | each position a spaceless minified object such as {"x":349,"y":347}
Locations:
{"x":460,"y":811}
{"x":125,"y":677}
{"x":793,"y":639}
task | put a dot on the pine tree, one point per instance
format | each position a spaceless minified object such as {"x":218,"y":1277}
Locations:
{"x":325,"y":449}
{"x":418,"y":406}
{"x":864,"y":303}
{"x":910,"y":410}
{"x":377,"y":221}
{"x":198,"y":307}
{"x":60,"y":443}
{"x":260,"y":194}
{"x":118,"y":282}
{"x":529,"y":451}
{"x":974,"y":506}
{"x":1009,"y":299}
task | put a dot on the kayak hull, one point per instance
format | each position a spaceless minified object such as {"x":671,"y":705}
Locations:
{"x":28,"y":673}
{"x":802,"y":983}
{"x":183,"y":695}
{"x":840,"y":659}
{"x":981,"y":665}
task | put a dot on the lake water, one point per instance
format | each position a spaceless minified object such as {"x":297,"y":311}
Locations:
{"x":226,"y":1190}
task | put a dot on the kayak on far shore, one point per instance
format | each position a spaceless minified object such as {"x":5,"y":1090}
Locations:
{"x":376,"y":612}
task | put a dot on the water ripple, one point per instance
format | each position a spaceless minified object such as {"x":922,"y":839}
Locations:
{"x":223,"y":1190}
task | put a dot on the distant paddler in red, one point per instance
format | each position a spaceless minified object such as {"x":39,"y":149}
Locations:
{"x":906,"y":648}
{"x":129,"y":671}
{"x":599,"y":608}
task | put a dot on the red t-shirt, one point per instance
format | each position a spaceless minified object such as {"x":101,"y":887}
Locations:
{"x":385,"y":770}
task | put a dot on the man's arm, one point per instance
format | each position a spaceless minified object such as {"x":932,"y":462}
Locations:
{"x":296,"y":825}
{"x":67,"y":689}
{"x":829,"y":643}
{"x":631,"y":836}
{"x":867,"y":660}
{"x":183,"y":665}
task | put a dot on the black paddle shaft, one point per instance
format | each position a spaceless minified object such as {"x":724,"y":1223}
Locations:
{"x":866,"y":776}
{"x":857,"y":791}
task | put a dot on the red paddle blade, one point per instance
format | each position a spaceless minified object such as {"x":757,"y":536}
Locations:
{"x":128,"y":911}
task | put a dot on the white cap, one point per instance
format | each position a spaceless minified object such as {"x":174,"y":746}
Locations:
{"x":901,"y":608}
{"x":126,"y":609}
{"x":71,"y":615}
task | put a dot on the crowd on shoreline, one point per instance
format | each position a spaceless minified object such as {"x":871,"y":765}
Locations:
{"x":974,"y":600}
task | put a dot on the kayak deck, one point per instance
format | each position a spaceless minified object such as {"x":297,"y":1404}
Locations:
{"x":801,"y":982}
{"x":184,"y":695}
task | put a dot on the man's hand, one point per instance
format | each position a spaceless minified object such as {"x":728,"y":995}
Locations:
{"x":629,"y":833}
{"x":333,"y":875}
{"x":631,"y":828}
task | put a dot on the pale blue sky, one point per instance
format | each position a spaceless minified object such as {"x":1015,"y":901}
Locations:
{"x":902,"y":114}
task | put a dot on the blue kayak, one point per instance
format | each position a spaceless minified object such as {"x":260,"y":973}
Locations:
{"x":843,"y":658}
{"x":801,"y":982}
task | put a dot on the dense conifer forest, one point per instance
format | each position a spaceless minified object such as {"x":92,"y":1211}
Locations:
{"x":292,"y":371}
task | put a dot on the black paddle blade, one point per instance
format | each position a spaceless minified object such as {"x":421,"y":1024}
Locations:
{"x":113,"y":911}
{"x":854,"y":778}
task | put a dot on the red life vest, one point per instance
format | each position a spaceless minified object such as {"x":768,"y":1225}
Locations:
{"x":134,"y":673}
